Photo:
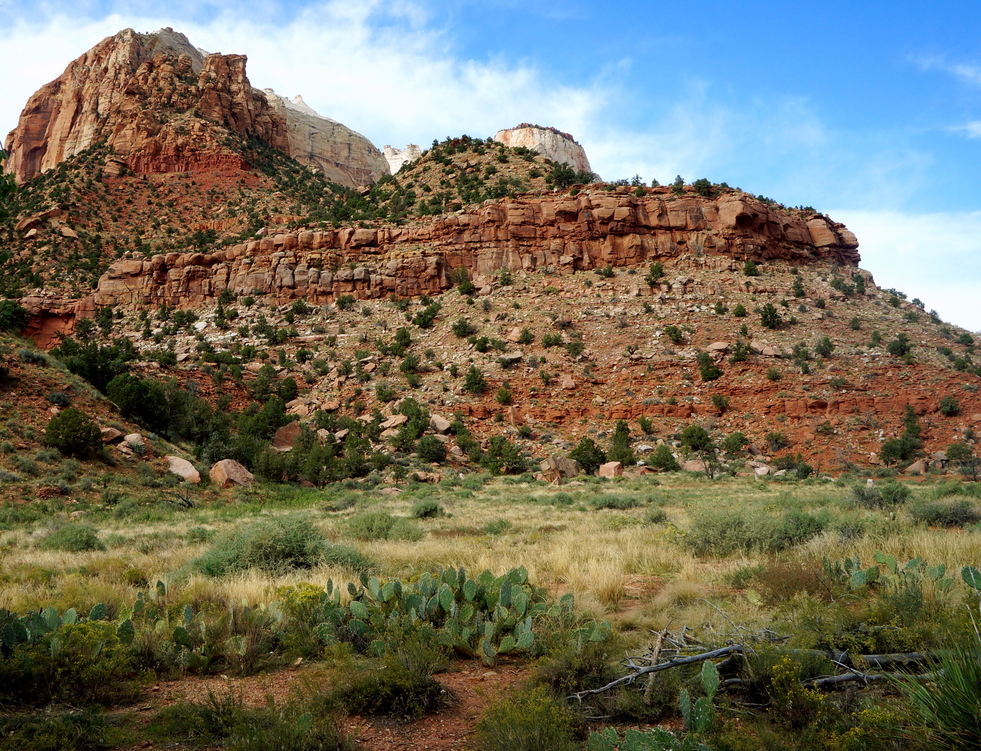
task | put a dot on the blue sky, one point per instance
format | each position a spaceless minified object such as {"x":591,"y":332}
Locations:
{"x":870,"y":112}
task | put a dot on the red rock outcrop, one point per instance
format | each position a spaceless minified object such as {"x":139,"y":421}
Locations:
{"x":564,"y":233}
{"x":164,"y":106}
{"x":154,"y":98}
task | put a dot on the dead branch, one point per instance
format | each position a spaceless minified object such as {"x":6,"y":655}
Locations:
{"x":640,"y":670}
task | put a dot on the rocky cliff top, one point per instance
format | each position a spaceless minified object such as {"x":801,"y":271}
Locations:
{"x":550,"y":142}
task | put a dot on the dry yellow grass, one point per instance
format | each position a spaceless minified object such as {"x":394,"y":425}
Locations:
{"x":615,"y":563}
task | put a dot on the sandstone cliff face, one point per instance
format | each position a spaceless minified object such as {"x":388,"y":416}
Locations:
{"x":397,"y":157}
{"x":162,"y":105}
{"x":344,"y":156}
{"x":155,"y":98}
{"x":565,"y":233}
{"x":549,"y":142}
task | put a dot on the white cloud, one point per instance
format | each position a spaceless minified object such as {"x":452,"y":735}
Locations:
{"x":971,"y":129}
{"x":969,"y":73}
{"x":935,"y":257}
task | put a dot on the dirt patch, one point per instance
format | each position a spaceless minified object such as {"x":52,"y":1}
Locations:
{"x":474,"y":686}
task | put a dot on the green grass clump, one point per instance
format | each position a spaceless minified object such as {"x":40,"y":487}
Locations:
{"x":530,"y":721}
{"x":948,"y":513}
{"x":948,"y":705}
{"x":225,"y":722}
{"x":728,"y":531}
{"x":379,"y":525}
{"x":73,"y":538}
{"x":616,"y":502}
{"x":276,"y":546}
{"x":427,"y":509}
{"x":89,"y":730}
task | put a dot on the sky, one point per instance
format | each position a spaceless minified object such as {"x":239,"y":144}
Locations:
{"x":868,"y":111}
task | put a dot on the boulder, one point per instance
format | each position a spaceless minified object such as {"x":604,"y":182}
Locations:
{"x":610,"y":469}
{"x":439,"y":423}
{"x":229,"y":472}
{"x":919,"y":467}
{"x":111,"y":435}
{"x":558,"y":468}
{"x":285,"y":437}
{"x":184,"y":469}
{"x":693,"y":465}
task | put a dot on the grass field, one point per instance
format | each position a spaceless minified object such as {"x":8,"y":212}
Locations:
{"x":723,"y":561}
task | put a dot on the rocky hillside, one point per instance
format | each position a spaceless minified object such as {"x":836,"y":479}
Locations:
{"x":498,"y":289}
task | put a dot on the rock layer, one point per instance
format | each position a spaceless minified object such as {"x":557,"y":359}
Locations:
{"x":565,"y":234}
{"x":549,"y":142}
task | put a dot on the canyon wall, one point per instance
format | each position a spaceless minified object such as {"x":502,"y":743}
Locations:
{"x":564,"y":234}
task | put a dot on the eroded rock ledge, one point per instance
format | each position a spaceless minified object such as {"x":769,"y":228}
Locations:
{"x":564,"y":234}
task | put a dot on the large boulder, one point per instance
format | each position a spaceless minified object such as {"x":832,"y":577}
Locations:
{"x":610,"y":469}
{"x":229,"y":472}
{"x":558,"y":468}
{"x":184,"y":469}
{"x":285,"y":438}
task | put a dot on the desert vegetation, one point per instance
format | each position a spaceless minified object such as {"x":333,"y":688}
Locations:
{"x":821,"y":600}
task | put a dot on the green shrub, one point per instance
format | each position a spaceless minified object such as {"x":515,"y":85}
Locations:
{"x":395,"y":690}
{"x":739,"y":311}
{"x":73,"y":538}
{"x":884,"y":495}
{"x":73,"y":433}
{"x":80,"y":663}
{"x":427,"y":509}
{"x":949,"y":406}
{"x":276,"y":545}
{"x":675,"y":334}
{"x":379,"y":525}
{"x":949,"y":513}
{"x":13,"y":316}
{"x":225,"y":722}
{"x":751,"y":269}
{"x":655,"y":274}
{"x":71,"y":730}
{"x":727,"y":531}
{"x":462,"y":328}
{"x":707,"y":368}
{"x":588,"y":454}
{"x":431,"y":449}
{"x":617,"y":502}
{"x":663,"y":459}
{"x":734,"y":442}
{"x":475,"y":383}
{"x":530,"y":721}
{"x":503,"y":457}
{"x":769,"y":317}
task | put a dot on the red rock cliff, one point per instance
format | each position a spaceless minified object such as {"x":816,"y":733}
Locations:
{"x":564,"y":233}
{"x":157,"y":100}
